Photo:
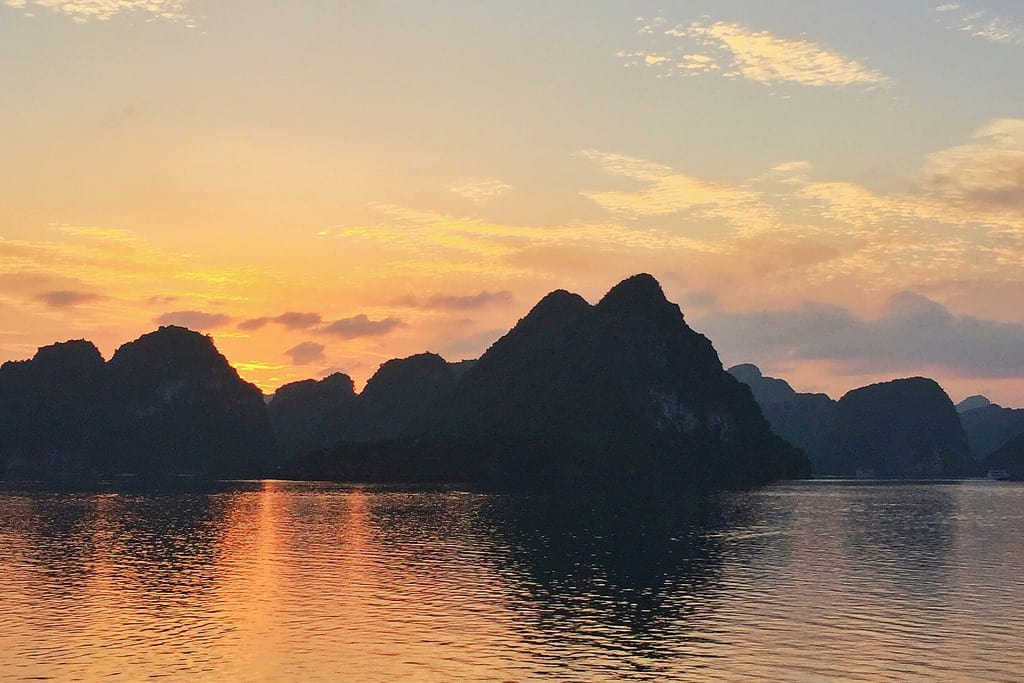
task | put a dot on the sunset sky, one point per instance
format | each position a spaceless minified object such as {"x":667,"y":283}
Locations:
{"x":833,"y":190}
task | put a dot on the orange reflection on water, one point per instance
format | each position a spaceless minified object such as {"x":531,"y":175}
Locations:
{"x":292,"y":581}
{"x":248,"y":580}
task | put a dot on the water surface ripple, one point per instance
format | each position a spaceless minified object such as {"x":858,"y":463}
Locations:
{"x":271,"y":580}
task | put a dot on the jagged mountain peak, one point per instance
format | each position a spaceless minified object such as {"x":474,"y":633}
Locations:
{"x":972,"y":403}
{"x":556,"y":305}
{"x":637,"y":290}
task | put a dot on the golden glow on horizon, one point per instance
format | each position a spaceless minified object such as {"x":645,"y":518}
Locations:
{"x":336,"y":182}
{"x":893,"y":241}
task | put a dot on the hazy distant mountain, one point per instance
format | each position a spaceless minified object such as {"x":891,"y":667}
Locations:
{"x":623,"y":390}
{"x":765,"y":389}
{"x":972,"y":402}
{"x":167,"y":402}
{"x":805,"y":420}
{"x":989,"y":427}
{"x":902,"y":428}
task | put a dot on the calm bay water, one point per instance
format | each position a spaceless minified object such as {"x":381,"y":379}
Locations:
{"x":274,"y":580}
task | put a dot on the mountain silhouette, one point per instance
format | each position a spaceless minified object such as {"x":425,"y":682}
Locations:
{"x":166,"y":403}
{"x":903,"y":428}
{"x":972,"y":402}
{"x":622,"y":391}
{"x":183,"y":408}
{"x":310,"y":415}
{"x":991,"y":426}
{"x":53,"y":411}
{"x":805,"y":420}
{"x":400,"y":395}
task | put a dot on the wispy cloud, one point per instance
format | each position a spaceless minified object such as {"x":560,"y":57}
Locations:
{"x":102,"y":10}
{"x":956,"y":221}
{"x":305,"y":353}
{"x":666,"y":191}
{"x":456,"y":302}
{"x":292,"y":320}
{"x":111,"y":235}
{"x":733,"y":50}
{"x":913,"y":332}
{"x":360,"y":326}
{"x":982,"y":23}
{"x":429,"y":242}
{"x":478,"y":190}
{"x":985,"y":173}
{"x":66,"y":298}
{"x":125,"y":263}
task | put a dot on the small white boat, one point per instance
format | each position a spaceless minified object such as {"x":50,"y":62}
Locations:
{"x":998,"y":475}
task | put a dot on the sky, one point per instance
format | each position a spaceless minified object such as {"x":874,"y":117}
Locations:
{"x":832,"y":190}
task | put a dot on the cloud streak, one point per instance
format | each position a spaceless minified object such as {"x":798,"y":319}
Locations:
{"x":102,"y":10}
{"x":360,"y":326}
{"x":667,"y":191}
{"x":913,"y":333}
{"x":457,"y":302}
{"x":345,"y":328}
{"x":292,"y":320}
{"x":66,"y":298}
{"x":986,"y":173}
{"x":305,"y":353}
{"x":736,"y":51}
{"x":478,"y":190}
{"x":982,"y":23}
{"x":960,"y":219}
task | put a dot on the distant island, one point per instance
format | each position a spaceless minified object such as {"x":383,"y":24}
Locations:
{"x":906,"y":428}
{"x":620,"y":392}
